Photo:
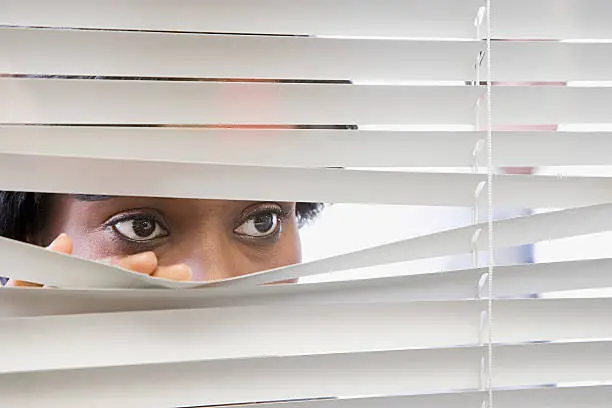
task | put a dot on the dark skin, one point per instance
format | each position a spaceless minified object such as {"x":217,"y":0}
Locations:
{"x":178,"y":239}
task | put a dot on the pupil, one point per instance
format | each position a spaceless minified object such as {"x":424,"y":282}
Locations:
{"x":143,"y":228}
{"x":264,"y":222}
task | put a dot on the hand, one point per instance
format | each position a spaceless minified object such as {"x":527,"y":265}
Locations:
{"x":144,"y":262}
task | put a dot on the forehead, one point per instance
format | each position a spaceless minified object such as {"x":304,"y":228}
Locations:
{"x":90,"y":202}
{"x":95,"y":199}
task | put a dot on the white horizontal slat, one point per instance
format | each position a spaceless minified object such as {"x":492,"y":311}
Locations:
{"x":60,"y":174}
{"x":283,"y":330}
{"x":411,"y":18}
{"x":29,"y":263}
{"x":268,"y":379}
{"x":309,"y":148}
{"x":290,"y":147}
{"x":211,"y":334}
{"x":69,"y":101}
{"x":551,"y":148}
{"x":510,"y":281}
{"x":544,"y":397}
{"x":69,"y":52}
{"x":138,"y":54}
{"x":513,"y":105}
{"x":240,"y":380}
{"x":547,"y":61}
{"x":342,"y":17}
{"x":552,"y":19}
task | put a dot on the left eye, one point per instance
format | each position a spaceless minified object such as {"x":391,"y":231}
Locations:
{"x":260,"y":225}
{"x":140,"y":229}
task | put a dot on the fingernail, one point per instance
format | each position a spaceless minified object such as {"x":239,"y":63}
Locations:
{"x":130,"y":259}
{"x":58,"y":239}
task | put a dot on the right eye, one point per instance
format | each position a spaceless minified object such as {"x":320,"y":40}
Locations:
{"x":139,"y":228}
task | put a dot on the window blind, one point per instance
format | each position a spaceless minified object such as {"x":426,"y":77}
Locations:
{"x":205,"y":99}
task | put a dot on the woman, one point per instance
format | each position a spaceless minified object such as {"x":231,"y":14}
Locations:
{"x":181,"y":239}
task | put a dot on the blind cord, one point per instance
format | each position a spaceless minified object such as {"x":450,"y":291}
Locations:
{"x":491,"y":246}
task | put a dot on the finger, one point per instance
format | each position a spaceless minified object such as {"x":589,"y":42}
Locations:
{"x":178,"y":272}
{"x":147,"y":263}
{"x":144,"y":262}
{"x":14,"y":283}
{"x":62,"y":244}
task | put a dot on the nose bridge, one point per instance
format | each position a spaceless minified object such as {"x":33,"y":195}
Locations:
{"x":213,"y":256}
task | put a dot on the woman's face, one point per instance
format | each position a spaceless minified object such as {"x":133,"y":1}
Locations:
{"x":216,"y":238}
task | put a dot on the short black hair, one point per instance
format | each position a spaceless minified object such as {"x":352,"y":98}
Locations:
{"x":24,"y":214}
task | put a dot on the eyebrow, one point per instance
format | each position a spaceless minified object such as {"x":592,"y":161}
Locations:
{"x":91,"y":197}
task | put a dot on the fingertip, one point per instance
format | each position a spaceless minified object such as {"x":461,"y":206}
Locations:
{"x":144,"y":262}
{"x":62,"y":243}
{"x":145,"y":257}
{"x":183,"y":272}
{"x":178,"y":272}
{"x":17,"y":283}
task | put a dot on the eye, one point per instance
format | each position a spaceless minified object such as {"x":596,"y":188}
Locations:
{"x":260,"y":225}
{"x":139,"y":228}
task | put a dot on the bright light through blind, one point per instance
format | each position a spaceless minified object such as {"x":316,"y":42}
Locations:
{"x":208,"y":98}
